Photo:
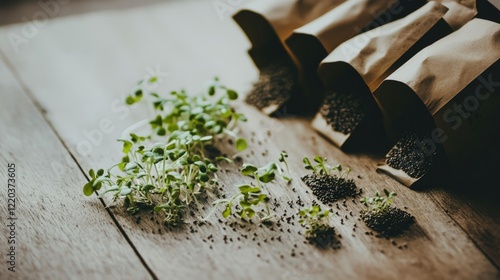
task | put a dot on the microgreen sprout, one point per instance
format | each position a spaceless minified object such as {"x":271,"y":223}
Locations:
{"x":378,"y":203}
{"x":323,"y":168}
{"x":384,"y":218}
{"x":169,"y":176}
{"x":135,"y":97}
{"x":250,"y":197}
{"x":327,"y":185}
{"x":314,"y":220}
{"x":284,"y":173}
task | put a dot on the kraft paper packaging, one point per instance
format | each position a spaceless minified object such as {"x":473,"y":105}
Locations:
{"x":267,"y":24}
{"x":356,"y":67}
{"x":454,"y":83}
{"x":460,"y":12}
{"x":312,"y":42}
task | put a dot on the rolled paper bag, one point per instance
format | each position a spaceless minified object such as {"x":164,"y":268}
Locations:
{"x":267,"y":24}
{"x":349,"y":115}
{"x":311,"y":43}
{"x":454,"y":83}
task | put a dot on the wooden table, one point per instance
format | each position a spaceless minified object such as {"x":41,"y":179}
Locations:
{"x":68,"y":81}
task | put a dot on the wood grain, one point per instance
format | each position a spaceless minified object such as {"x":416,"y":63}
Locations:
{"x":78,"y":70}
{"x":59,"y":233}
{"x":15,"y":11}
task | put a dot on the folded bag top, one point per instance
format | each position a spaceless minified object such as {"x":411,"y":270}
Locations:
{"x":311,"y":42}
{"x":437,"y":73}
{"x":269,"y":23}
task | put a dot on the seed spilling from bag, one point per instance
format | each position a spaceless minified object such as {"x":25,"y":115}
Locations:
{"x":343,"y":111}
{"x":410,"y":155}
{"x":276,"y":85}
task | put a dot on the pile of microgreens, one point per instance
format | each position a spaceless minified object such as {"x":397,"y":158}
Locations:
{"x":378,"y":203}
{"x":250,"y":197}
{"x":322,"y":168}
{"x":170,"y":175}
{"x":314,"y":220}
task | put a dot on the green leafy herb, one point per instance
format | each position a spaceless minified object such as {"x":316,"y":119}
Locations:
{"x":169,"y":175}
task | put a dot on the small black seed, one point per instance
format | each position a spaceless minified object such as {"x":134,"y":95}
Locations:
{"x":409,"y":156}
{"x":343,"y":110}
{"x":330,"y":188}
{"x":277,"y":83}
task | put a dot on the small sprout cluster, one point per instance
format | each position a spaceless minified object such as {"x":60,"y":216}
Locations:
{"x":250,"y":198}
{"x":378,"y":203}
{"x":318,"y":229}
{"x":385,"y":219}
{"x":321,"y":167}
{"x":171,"y":174}
{"x":326,"y":185}
{"x":314,"y":220}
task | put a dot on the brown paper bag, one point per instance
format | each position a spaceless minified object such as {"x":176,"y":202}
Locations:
{"x":459,"y":12}
{"x":445,"y":102}
{"x":267,"y":24}
{"x":312,"y":42}
{"x":353,"y":70}
{"x":353,"y":17}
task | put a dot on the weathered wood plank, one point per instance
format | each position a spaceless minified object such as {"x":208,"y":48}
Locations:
{"x":474,"y":201}
{"x":58,"y":233}
{"x":78,"y":69}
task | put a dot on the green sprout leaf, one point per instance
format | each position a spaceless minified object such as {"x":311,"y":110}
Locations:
{"x":267,"y":177}
{"x":227,"y":211}
{"x":88,"y":189}
{"x":92,"y":173}
{"x":241,"y":144}
{"x":245,"y":189}
{"x":248,"y":169}
{"x":231,"y":94}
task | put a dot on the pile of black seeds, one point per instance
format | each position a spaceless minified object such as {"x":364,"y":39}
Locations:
{"x":343,"y":111}
{"x":409,"y":156}
{"x":330,"y":188}
{"x":325,"y":238}
{"x":276,"y":85}
{"x":388,"y":223}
